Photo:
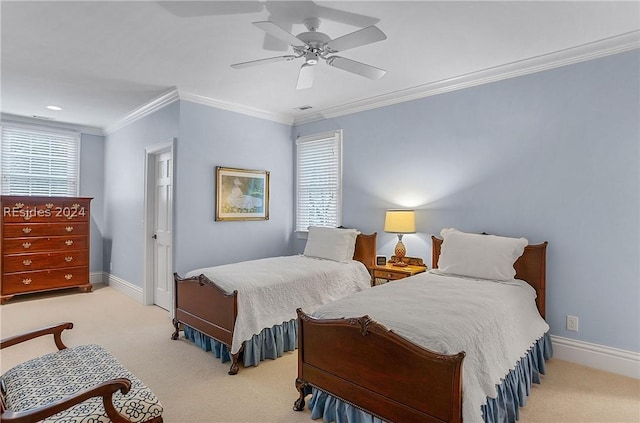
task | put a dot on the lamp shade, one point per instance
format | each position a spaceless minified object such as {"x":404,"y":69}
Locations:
{"x":400,"y":221}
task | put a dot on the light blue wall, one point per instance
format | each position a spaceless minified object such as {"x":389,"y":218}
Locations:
{"x":124,"y":158}
{"x":205,"y":137}
{"x":553,"y":156}
{"x":91,"y":185}
{"x":212,"y":137}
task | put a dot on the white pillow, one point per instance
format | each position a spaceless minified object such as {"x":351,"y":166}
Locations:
{"x":479,"y":256}
{"x":331,"y":243}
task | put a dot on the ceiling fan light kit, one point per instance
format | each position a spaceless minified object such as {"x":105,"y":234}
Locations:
{"x":314,"y":46}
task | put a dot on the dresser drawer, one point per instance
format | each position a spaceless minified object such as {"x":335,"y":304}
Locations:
{"x":18,"y":230}
{"x":384,"y":274}
{"x":26,"y":262}
{"x":39,"y":244}
{"x":14,"y":283}
{"x":45,"y":210}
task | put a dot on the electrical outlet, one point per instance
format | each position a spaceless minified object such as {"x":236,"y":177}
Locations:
{"x":572,"y":323}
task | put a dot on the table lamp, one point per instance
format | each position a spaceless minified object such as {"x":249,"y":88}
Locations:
{"x":400,"y":222}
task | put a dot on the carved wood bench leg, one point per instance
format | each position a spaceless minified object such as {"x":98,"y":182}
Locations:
{"x":300,"y":386}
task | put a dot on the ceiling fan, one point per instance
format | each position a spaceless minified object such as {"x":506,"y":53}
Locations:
{"x":314,"y":46}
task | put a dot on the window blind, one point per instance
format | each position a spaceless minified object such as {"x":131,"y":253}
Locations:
{"x":36,"y":162}
{"x":319,"y":181}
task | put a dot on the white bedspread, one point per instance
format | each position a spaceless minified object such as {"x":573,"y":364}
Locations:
{"x":271,"y":289}
{"x":495,"y":323}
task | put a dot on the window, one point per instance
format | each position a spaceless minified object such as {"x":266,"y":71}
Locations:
{"x":319,"y":181}
{"x":39,"y":162}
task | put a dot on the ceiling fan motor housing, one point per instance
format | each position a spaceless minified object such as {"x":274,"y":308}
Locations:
{"x":313,"y":50}
{"x":311,"y":58}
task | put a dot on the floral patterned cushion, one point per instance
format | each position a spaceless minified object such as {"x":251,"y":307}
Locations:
{"x":57,"y":375}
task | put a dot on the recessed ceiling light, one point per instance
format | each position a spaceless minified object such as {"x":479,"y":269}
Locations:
{"x":56,"y":108}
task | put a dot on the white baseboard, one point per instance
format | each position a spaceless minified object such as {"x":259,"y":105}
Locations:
{"x":96,"y":278}
{"x":127,"y":288}
{"x":622,"y":362}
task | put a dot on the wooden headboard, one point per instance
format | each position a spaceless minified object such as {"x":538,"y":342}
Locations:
{"x":530,"y":267}
{"x":366,"y":249}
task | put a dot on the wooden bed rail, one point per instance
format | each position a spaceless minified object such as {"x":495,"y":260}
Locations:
{"x":204,"y":306}
{"x":350,"y":357}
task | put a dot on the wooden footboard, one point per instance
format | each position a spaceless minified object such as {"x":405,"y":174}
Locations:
{"x":363,"y":363}
{"x":204,"y":306}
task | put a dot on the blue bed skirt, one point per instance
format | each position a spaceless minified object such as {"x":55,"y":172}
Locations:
{"x":270,"y":343}
{"x":512,"y":393}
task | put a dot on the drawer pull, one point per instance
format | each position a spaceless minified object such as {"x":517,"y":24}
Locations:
{"x":19,"y":205}
{"x":68,"y":259}
{"x":68,"y":276}
{"x":69,"y":242}
{"x":69,"y":229}
{"x":27,"y":262}
{"x":27,"y":217}
{"x":26,"y":230}
{"x":75,"y":205}
{"x":49,"y":205}
{"x":26,"y":281}
{"x":26,"y":244}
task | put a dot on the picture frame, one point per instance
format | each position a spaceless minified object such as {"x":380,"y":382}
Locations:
{"x":241,"y":194}
{"x":381,"y":260}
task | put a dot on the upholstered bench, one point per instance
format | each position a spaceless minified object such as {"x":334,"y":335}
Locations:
{"x":79,"y":384}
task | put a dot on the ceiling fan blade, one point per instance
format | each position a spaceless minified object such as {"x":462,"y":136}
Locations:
{"x":275,"y":44}
{"x":190,"y":9}
{"x":263,"y":61}
{"x":368,"y":35}
{"x":305,"y":77}
{"x":273,"y":29}
{"x":343,"y":16}
{"x":355,"y":67}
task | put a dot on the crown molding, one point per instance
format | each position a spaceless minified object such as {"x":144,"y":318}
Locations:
{"x":238,"y":108}
{"x":174,"y":94}
{"x":7,"y":117}
{"x":569,"y":56}
{"x":157,"y":103}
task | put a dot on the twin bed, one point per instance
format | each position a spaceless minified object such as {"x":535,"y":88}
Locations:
{"x":249,"y":308}
{"x":462,"y":342}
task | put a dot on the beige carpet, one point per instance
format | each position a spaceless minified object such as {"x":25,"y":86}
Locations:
{"x":194,"y":387}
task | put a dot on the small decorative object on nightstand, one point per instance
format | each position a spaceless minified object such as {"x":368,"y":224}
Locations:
{"x":400,"y":222}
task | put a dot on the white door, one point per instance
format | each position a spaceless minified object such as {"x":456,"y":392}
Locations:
{"x":162,"y":254}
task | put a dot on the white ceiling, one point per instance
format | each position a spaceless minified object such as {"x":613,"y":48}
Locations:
{"x":103,"y":60}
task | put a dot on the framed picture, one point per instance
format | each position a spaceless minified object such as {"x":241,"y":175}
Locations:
{"x":242,"y":194}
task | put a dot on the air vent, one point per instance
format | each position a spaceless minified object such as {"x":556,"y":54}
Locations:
{"x":43,"y":117}
{"x":303,"y":108}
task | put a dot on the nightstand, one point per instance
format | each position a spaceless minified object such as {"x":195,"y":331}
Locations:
{"x":390,"y":272}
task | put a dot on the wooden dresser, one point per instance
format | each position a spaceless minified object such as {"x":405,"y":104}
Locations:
{"x":45,"y":244}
